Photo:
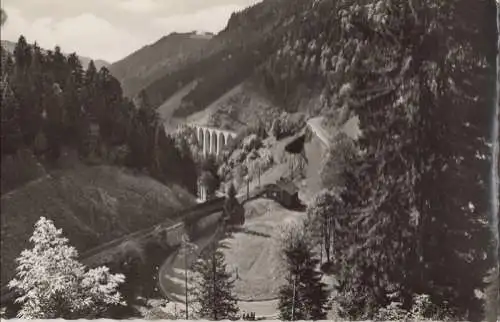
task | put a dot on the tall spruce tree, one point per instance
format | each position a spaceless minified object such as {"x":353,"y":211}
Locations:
{"x":233,"y":211}
{"x":59,"y":66}
{"x":454,"y":188}
{"x":304,"y":296}
{"x":21,"y":82}
{"x":322,"y":215}
{"x":3,"y":17}
{"x":188,"y":176}
{"x":76,"y":69}
{"x":214,"y":290}
{"x":11,"y":136}
{"x":415,"y":199}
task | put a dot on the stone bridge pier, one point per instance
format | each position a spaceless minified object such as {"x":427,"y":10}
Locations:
{"x":212,"y":140}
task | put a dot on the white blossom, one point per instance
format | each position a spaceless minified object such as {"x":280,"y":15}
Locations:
{"x":53,"y":284}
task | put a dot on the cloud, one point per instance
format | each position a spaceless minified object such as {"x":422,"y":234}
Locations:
{"x":139,"y":6}
{"x":112,"y":29}
{"x":86,"y":34}
{"x":212,"y":20}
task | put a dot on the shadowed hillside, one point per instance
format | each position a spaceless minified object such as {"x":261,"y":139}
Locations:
{"x":151,"y":62}
{"x":91,"y":204}
{"x":280,"y":53}
{"x":226,"y":60}
{"x":66,"y":133}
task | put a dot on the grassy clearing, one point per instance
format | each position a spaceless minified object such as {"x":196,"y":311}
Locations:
{"x":255,"y":252}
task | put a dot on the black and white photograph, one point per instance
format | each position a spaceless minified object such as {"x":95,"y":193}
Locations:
{"x":247,"y":160}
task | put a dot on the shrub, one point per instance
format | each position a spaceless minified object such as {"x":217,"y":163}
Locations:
{"x":422,"y":309}
{"x":287,"y":125}
{"x":341,"y":155}
{"x":54,"y":284}
{"x":393,"y":312}
{"x":252,"y":142}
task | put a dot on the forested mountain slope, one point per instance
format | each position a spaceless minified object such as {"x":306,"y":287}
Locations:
{"x":280,"y":51}
{"x":151,"y":62}
{"x":75,"y":150}
{"x":49,"y":103}
{"x":419,"y":76}
{"x":230,"y":57}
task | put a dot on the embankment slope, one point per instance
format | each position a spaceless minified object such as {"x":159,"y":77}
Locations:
{"x":92,"y":205}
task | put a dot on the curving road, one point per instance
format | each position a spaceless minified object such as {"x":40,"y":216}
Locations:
{"x":171,"y":273}
{"x":252,"y":250}
{"x":319,"y":131}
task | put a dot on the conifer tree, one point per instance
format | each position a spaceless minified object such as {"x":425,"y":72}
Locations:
{"x":188,"y":176}
{"x":11,"y":136}
{"x":76,"y":69}
{"x":21,"y":82}
{"x":454,"y":225}
{"x":91,"y":73}
{"x":209,"y":176}
{"x":3,"y":17}
{"x":304,"y":296}
{"x":233,"y":211}
{"x":59,"y":66}
{"x":412,"y":199}
{"x":214,"y":291}
{"x":323,"y":213}
{"x":22,"y":54}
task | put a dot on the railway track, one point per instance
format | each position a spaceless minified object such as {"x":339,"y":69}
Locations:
{"x":195,"y":213}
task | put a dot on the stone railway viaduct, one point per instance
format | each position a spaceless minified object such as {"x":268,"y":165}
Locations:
{"x":213,"y":140}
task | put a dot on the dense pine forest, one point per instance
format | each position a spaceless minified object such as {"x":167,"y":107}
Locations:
{"x":413,"y":215}
{"x":50,"y":102}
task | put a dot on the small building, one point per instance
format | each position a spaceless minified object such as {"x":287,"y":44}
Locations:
{"x":284,"y":192}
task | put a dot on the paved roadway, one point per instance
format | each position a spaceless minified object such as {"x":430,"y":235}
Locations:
{"x":350,"y":128}
{"x":319,"y":131}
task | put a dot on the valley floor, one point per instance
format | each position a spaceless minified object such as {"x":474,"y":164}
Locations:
{"x":255,"y":252}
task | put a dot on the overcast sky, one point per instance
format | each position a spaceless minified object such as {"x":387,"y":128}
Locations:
{"x":111,"y":29}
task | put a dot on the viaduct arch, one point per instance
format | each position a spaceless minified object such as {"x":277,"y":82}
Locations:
{"x":213,"y":140}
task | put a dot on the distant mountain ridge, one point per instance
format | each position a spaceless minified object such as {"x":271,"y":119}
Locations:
{"x":9,"y":46}
{"x":236,"y":55}
{"x":153,"y":61}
